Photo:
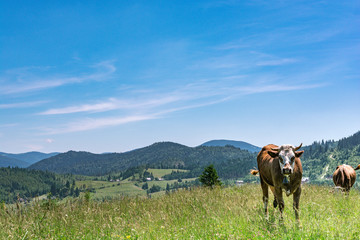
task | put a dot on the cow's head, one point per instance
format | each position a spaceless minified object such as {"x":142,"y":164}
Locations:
{"x":286,"y":155}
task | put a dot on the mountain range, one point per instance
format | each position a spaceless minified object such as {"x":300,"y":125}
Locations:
{"x":157,"y":155}
{"x":22,"y":160}
{"x":319,"y":160}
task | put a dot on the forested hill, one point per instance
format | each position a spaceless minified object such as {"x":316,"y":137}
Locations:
{"x":320,"y":159}
{"x":22,"y":183}
{"x":6,"y":161}
{"x":158,"y":155}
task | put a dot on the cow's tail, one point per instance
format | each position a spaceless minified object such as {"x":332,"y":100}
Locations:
{"x":358,"y":167}
{"x":254,"y":172}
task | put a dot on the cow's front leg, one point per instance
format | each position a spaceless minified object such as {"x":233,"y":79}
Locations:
{"x":296,"y":203}
{"x":265,"y":190}
{"x":280,"y":201}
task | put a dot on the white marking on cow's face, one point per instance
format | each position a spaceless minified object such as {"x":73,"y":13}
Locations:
{"x":286,"y":159}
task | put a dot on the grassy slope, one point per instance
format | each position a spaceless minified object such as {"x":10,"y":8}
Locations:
{"x":161,"y":172}
{"x":223,"y":213}
{"x":105,"y":189}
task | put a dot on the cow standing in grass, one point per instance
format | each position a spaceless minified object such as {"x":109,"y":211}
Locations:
{"x":280,"y":169}
{"x":345,"y":176}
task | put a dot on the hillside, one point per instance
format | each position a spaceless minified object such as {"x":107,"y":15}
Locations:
{"x":320,"y":159}
{"x":24,"y":183}
{"x":6,"y":161}
{"x":28,"y":158}
{"x":158,"y":155}
{"x":238,"y":144}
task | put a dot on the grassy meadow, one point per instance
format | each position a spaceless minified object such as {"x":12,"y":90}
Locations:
{"x":128,"y":187}
{"x":200,"y":213}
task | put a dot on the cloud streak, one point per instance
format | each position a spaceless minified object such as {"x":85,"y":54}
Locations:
{"x":21,"y":104}
{"x":189,"y":97}
{"x":29,"y":83}
{"x":113,"y":104}
{"x":95,"y":123}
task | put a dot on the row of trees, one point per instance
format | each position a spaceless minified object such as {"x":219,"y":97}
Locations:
{"x":349,"y":142}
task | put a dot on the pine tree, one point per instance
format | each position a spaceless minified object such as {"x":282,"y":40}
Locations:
{"x":210,"y":177}
{"x":145,"y":186}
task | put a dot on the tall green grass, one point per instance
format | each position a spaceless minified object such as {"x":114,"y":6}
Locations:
{"x":221,"y":213}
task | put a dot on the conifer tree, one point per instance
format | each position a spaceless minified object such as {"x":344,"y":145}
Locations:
{"x":210,"y":177}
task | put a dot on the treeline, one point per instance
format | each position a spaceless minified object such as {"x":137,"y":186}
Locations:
{"x":180,"y":184}
{"x":349,"y":142}
{"x":19,"y":184}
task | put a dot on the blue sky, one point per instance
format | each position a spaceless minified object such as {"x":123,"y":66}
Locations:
{"x":112,"y":76}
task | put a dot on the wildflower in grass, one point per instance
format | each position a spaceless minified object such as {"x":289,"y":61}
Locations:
{"x":128,"y":236}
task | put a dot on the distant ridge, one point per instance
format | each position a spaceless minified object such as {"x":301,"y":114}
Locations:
{"x":239,"y":144}
{"x":158,"y":155}
{"x":23,"y":159}
{"x":6,"y":161}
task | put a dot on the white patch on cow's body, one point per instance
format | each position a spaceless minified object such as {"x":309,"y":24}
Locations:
{"x":287,"y":191}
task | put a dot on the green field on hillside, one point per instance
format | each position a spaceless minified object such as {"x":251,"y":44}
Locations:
{"x":202,"y":213}
{"x":127,"y":187}
{"x":161,"y":172}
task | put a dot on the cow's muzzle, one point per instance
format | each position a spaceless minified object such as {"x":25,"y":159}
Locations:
{"x":287,"y":169}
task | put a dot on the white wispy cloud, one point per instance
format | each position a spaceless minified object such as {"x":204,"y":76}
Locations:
{"x":27,"y":82}
{"x":276,"y":62}
{"x":191,"y":96}
{"x":98,"y":107}
{"x":275,"y":88}
{"x":21,"y":104}
{"x":95,"y":123}
{"x":114,"y":104}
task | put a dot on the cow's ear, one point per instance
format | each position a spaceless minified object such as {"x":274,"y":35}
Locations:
{"x":273,"y":154}
{"x":299,"y":153}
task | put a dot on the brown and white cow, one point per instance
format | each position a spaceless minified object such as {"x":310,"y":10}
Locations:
{"x":345,"y":176}
{"x":280,"y":169}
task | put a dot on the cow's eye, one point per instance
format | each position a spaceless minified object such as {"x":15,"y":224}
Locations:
{"x":281,"y":160}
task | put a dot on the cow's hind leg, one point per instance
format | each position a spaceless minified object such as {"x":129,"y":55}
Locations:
{"x":265,"y":190}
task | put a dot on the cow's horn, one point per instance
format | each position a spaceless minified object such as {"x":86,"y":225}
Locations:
{"x":297,"y":148}
{"x":275,"y":149}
